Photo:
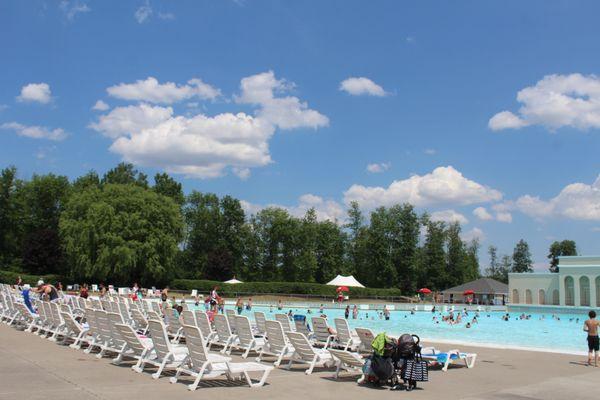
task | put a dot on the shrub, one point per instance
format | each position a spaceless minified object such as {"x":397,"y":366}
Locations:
{"x":10,"y":277}
{"x":277,"y":288}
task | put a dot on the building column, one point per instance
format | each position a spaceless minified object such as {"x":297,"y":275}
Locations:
{"x":577,"y":290}
{"x":561,"y":290}
{"x":593,"y":292}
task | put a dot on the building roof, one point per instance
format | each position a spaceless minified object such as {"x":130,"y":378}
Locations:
{"x":480,"y":286}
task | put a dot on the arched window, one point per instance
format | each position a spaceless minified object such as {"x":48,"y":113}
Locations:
{"x":527,"y":296}
{"x":584,"y":291}
{"x":569,"y":291}
{"x":555,"y":297}
{"x":541,"y":297}
{"x":515,"y":296}
{"x":598,"y":291}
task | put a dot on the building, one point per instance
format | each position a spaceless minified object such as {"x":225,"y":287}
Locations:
{"x":484,"y":291}
{"x":576,"y":284}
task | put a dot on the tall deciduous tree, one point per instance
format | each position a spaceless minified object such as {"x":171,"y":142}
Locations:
{"x":125,"y":174}
{"x":405,"y":241}
{"x":558,"y":249}
{"x":521,"y":260}
{"x":167,"y":186}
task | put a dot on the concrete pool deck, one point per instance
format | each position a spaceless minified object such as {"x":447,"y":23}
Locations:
{"x":35,"y":368}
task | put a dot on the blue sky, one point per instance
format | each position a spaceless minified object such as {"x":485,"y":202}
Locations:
{"x":482,"y":112}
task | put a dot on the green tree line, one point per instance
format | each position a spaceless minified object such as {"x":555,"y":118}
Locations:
{"x":118,"y":228}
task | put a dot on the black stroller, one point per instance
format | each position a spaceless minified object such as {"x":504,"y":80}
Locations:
{"x":408,"y":364}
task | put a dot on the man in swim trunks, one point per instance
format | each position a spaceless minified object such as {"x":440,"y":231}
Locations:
{"x":591,"y":327}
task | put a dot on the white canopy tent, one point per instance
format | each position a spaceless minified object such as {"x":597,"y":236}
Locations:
{"x":349,"y":281}
{"x":233,"y":281}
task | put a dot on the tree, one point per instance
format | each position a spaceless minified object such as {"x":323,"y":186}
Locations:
{"x":456,"y":266}
{"x":493,"y":269}
{"x":472,"y":261}
{"x":357,"y":242}
{"x":167,"y":186}
{"x":11,"y":213}
{"x":121,"y":232}
{"x":380,"y":272}
{"x":505,"y":268}
{"x":125,"y":174}
{"x":558,"y":249}
{"x":521,"y":260}
{"x":433,"y":257}
{"x":330,"y":249}
{"x":91,"y":179}
{"x":405,"y":241}
{"x":42,"y":253}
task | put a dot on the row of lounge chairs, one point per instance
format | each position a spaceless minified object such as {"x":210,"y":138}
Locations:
{"x":146,"y":334}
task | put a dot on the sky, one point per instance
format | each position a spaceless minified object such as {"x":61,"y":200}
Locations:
{"x":487,"y":113}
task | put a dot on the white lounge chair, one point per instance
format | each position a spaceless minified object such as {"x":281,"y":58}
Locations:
{"x":306,"y":354}
{"x":322,"y":335}
{"x":277,"y":344}
{"x":448,"y":357}
{"x":208,"y":333}
{"x":224,"y":335}
{"x":188,"y":318}
{"x":76,"y":331}
{"x":166,"y":354}
{"x":201,"y":364}
{"x":259,"y":319}
{"x":246,"y":339}
{"x":348,"y":361}
{"x":366,"y":337}
{"x":345,"y":339}
{"x":285,"y":322}
{"x":136,"y":347}
{"x":174,"y":328}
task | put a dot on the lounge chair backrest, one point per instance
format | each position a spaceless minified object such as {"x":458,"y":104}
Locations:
{"x":366,"y":337}
{"x":96,"y":304}
{"x":229,"y":312}
{"x":259,"y":318}
{"x":342,"y":330}
{"x":160,"y":338}
{"x":154,"y":315}
{"x":72,"y":325}
{"x":156,"y":308}
{"x":90,"y":317}
{"x":172,"y":319}
{"x":301,"y":345}
{"x":203,"y":323}
{"x":320,"y":329}
{"x":139,"y":319}
{"x":124,"y":311}
{"x":275,"y":336}
{"x":128,"y":335}
{"x":188,"y":318}
{"x":56,"y":314}
{"x":285,"y":322}
{"x":64,"y":308}
{"x":222,"y":327}
{"x":103,"y":325}
{"x":347,"y":357}
{"x":196,"y":346}
{"x":244,"y":330}
{"x":301,"y":327}
{"x":48,"y":312}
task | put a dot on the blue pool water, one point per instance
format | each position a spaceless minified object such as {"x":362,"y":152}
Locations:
{"x":540,"y":332}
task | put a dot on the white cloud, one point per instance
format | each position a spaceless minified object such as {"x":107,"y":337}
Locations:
{"x":36,"y":92}
{"x":361,"y":86}
{"x":100,"y":106}
{"x":284,"y":112}
{"x":72,"y":8}
{"x":444,"y":185}
{"x":166,"y":16}
{"x":506,"y":120}
{"x":325,"y":209}
{"x":3,"y":107}
{"x":152,"y":91}
{"x":449,"y":216}
{"x":595,"y":229}
{"x":143,"y":13}
{"x":378,"y":167}
{"x":200,"y":145}
{"x":430,"y":152}
{"x":501,"y":214}
{"x":556,"y":101}
{"x":473,"y":234}
{"x":578,"y":201}
{"x":482,"y":214}
{"x":35,"y":132}
{"x":130,"y":120}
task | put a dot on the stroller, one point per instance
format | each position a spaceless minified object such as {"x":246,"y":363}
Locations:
{"x":408,"y":364}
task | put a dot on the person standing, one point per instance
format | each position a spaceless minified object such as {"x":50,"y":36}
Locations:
{"x":347,"y":312}
{"x":355,"y":312}
{"x":591,"y":327}
{"x":386,"y":313}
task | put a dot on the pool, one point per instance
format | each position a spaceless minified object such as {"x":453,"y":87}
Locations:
{"x":540,"y":332}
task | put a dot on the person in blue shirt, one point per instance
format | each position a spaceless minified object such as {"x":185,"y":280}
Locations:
{"x":26,"y":299}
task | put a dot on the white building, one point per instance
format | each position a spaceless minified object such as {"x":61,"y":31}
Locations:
{"x":576,"y":284}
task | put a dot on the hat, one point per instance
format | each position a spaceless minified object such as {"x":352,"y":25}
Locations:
{"x":26,"y":286}
{"x":40,"y":282}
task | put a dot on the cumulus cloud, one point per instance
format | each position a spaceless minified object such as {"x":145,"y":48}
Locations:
{"x":430,"y":152}
{"x":578,"y":201}
{"x":131,"y":120}
{"x":449,"y":216}
{"x":206,"y":146}
{"x":444,"y":185}
{"x":73,"y":7}
{"x":502,"y":215}
{"x":100,"y":106}
{"x":378,"y":167}
{"x":555,"y":101}
{"x":325,"y":209}
{"x":35,"y":132}
{"x":361,"y":86}
{"x":35,"y":92}
{"x":473,"y":234}
{"x":286,"y":112}
{"x":150,"y":90}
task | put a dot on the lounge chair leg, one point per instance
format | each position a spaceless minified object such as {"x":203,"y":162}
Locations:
{"x":158,"y":373}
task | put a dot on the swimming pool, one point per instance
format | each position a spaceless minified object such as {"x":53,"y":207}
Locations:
{"x":540,"y":332}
